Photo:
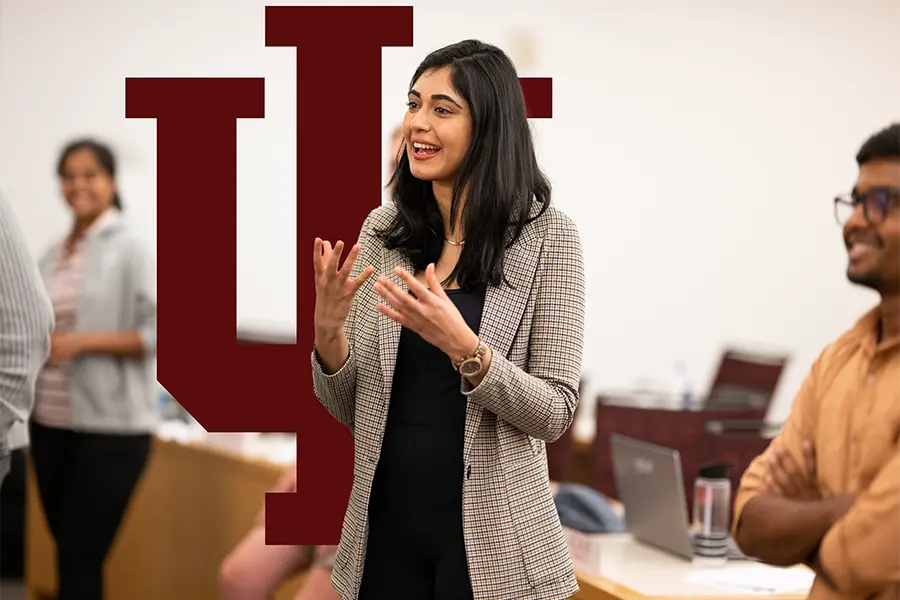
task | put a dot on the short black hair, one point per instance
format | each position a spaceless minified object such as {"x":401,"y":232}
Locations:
{"x":500,"y":172}
{"x":101,"y":152}
{"x":882,"y":145}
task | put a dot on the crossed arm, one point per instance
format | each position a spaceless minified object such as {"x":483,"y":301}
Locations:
{"x":781,"y":519}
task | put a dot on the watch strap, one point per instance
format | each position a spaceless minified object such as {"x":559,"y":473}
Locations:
{"x":478,"y":353}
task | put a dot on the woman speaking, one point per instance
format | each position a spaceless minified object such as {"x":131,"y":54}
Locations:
{"x":461,"y":359}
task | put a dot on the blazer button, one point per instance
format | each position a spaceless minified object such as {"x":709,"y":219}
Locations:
{"x":469,"y":472}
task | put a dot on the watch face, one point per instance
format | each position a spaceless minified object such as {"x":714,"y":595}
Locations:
{"x":470,"y":367}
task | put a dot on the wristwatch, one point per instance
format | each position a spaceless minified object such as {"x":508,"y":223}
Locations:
{"x":471,"y":365}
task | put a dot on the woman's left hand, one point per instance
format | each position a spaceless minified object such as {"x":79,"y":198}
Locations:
{"x":430,"y":313}
{"x":64,"y":347}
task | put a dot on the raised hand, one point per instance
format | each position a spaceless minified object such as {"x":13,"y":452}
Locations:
{"x":335,"y":289}
{"x":428,"y":311}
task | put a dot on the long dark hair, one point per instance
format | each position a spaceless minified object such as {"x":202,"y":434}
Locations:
{"x":101,"y":152}
{"x":499,"y":175}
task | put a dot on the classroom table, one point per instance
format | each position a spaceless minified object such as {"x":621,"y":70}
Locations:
{"x":630,"y":570}
{"x":199,"y":497}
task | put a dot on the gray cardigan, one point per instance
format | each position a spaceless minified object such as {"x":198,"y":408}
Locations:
{"x":26,"y":321}
{"x":114,"y":394}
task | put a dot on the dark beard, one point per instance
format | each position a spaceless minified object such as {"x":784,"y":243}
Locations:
{"x":872,"y":281}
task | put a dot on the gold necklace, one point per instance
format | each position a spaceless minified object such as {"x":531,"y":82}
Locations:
{"x":452,"y":243}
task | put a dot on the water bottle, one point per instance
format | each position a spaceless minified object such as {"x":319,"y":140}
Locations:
{"x":684,"y":396}
{"x":712,"y":514}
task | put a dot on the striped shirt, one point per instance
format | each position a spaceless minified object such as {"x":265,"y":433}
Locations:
{"x":52,"y":406}
{"x":26,"y":322}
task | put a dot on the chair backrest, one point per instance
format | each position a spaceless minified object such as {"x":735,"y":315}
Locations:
{"x":746,"y":381}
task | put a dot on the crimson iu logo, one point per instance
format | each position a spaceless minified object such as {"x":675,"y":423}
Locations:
{"x":231,"y":387}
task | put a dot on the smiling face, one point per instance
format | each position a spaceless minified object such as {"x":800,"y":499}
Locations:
{"x":437,"y":127}
{"x":86,"y":186}
{"x":874,"y":248}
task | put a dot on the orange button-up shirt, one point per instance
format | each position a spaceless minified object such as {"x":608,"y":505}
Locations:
{"x":849,"y":408}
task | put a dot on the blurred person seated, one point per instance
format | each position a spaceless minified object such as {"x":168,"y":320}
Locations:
{"x":826,"y":492}
{"x":255,"y":571}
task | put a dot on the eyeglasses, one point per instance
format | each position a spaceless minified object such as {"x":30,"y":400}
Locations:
{"x":876,"y":204}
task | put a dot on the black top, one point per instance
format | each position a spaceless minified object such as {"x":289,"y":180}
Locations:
{"x":418,"y":481}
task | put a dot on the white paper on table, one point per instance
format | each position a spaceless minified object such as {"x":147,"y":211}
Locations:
{"x":759,"y":579}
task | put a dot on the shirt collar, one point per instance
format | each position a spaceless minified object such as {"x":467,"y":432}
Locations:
{"x":109,"y":218}
{"x":866,"y":331}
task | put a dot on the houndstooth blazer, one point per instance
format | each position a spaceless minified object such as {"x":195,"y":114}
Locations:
{"x":514,"y":541}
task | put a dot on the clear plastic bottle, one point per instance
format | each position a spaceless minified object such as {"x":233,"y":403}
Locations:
{"x":683,"y":393}
{"x":711,"y":524}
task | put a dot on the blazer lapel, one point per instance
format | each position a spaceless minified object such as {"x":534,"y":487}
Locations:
{"x":502,"y":314}
{"x":388,"y":329}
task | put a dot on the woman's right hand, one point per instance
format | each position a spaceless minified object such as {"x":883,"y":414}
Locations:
{"x":334,"y":288}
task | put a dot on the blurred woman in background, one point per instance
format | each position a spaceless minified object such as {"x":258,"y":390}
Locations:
{"x":95,"y":402}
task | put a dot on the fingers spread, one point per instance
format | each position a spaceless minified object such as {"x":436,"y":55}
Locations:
{"x":317,"y":255}
{"x":363,"y":277}
{"x":433,"y":284}
{"x":415,"y":286}
{"x":335,"y":256}
{"x":392,"y":314}
{"x":347,"y":267}
{"x":390,"y":292}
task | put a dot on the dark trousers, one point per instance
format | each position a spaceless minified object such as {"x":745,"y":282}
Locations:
{"x":12,"y":518}
{"x":85,"y":482}
{"x":5,"y":462}
{"x":397,"y":565}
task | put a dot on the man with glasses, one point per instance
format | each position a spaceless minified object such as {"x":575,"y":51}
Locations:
{"x":826,"y":492}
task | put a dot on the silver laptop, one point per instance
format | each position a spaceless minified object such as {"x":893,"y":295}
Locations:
{"x":651,"y":489}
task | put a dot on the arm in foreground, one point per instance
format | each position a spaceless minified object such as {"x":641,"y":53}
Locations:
{"x":542,"y":401}
{"x":779,"y":530}
{"x":333,"y":360}
{"x":26,"y":323}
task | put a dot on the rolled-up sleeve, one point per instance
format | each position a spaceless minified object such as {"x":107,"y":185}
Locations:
{"x":860,"y":554}
{"x":26,"y":323}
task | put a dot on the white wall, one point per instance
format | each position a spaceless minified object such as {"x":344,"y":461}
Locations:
{"x":698,"y":145}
